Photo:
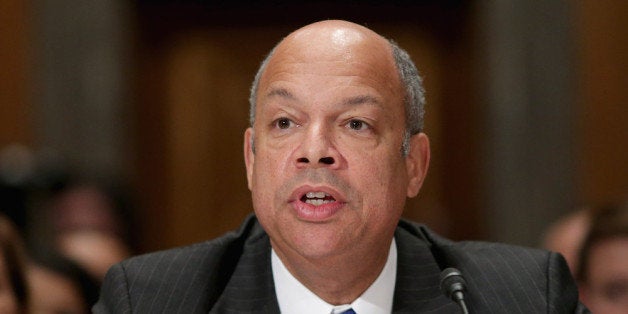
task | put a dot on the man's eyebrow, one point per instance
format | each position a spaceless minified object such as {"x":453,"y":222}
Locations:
{"x":362,"y":99}
{"x":351,"y":101}
{"x":281,"y":92}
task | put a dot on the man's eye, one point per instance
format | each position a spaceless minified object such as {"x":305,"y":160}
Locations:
{"x":357,"y":125}
{"x":283,"y":123}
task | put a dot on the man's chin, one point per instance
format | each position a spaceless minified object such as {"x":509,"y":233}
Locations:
{"x":316,"y":243}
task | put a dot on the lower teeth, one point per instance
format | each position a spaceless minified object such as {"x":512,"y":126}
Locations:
{"x":316,"y":202}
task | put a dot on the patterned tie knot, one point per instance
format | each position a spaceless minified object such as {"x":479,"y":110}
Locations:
{"x":349,"y":311}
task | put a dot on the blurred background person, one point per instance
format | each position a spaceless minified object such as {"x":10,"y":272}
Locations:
{"x":73,"y":228}
{"x":88,"y":227}
{"x":603,"y":268}
{"x":13,"y":287}
{"x":61,"y":211}
{"x":58,"y":285}
{"x":566,"y":236}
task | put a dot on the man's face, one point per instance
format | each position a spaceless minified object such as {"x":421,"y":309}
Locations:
{"x":327,"y":174}
{"x":606,"y":289}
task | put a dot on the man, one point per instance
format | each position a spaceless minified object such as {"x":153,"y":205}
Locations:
{"x":334,"y":148}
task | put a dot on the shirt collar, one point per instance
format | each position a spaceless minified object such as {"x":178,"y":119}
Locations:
{"x":294,"y":297}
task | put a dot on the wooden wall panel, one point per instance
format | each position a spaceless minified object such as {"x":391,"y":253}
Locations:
{"x":208,"y":77}
{"x":15,"y":79}
{"x":603,"y":103}
{"x":191,"y":176}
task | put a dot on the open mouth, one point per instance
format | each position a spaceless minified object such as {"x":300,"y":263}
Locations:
{"x":317,"y":198}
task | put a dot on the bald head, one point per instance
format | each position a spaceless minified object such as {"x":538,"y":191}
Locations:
{"x":335,"y":41}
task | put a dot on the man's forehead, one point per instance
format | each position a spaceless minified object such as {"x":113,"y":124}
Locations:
{"x":336,"y":34}
{"x":333,"y":48}
{"x":333,"y":34}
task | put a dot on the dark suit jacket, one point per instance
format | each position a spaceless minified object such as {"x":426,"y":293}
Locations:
{"x":232,"y":274}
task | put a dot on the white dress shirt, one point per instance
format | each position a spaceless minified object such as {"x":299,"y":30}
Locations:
{"x":293,"y":297}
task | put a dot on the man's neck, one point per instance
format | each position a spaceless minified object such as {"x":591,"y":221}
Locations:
{"x":339,"y":279}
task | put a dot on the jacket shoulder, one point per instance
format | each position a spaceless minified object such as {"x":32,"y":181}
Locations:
{"x":220,"y":252}
{"x":501,"y":277}
{"x":188,"y":279}
{"x":455,"y":254}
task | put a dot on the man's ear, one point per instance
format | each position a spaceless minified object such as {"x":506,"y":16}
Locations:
{"x":249,"y":155}
{"x":417,"y":162}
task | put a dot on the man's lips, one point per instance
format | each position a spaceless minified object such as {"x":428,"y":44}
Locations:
{"x":316,"y":194}
{"x":316,"y":203}
{"x":317,"y":198}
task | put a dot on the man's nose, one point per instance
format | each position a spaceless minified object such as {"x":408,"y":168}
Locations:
{"x":318,"y":149}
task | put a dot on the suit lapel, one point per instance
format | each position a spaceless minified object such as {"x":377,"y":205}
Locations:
{"x":251,"y":288}
{"x":417,"y":286}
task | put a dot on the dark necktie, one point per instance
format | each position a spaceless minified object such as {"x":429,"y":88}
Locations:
{"x":349,"y":311}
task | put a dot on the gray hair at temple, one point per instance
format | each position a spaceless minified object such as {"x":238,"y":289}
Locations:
{"x":414,"y":100}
